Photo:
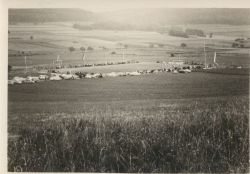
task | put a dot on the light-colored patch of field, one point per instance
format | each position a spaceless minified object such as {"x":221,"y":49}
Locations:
{"x":118,"y":68}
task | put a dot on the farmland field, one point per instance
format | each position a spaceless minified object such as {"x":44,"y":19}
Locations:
{"x":52,"y":39}
{"x":164,"y":122}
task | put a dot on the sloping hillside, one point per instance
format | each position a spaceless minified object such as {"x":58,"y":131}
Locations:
{"x":150,"y":18}
{"x":165,"y":16}
{"x":49,"y":15}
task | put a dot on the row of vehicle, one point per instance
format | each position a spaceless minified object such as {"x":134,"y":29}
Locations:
{"x":79,"y":75}
{"x":35,"y":79}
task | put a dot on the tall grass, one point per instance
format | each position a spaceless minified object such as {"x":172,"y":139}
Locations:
{"x":212,"y":139}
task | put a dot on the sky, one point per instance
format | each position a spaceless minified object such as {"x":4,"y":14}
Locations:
{"x":112,"y":5}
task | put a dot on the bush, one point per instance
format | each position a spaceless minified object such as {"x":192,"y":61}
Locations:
{"x":196,"y":32}
{"x":210,"y":35}
{"x":90,"y":48}
{"x":82,"y":49}
{"x":238,"y":40}
{"x":235,"y":45}
{"x":178,"y":33}
{"x":71,"y":49}
{"x":183,"y":45}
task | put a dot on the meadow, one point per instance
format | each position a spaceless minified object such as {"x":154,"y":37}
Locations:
{"x":165,"y":122}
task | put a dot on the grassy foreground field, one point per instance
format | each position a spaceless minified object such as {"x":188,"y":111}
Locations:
{"x":189,"y":138}
{"x":194,"y":122}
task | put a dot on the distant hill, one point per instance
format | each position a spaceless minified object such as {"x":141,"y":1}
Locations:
{"x":149,"y":18}
{"x":48,"y":15}
{"x":173,"y":16}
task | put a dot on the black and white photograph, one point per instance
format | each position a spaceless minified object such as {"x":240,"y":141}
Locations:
{"x":126,"y":86}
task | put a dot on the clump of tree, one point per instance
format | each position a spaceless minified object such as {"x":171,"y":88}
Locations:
{"x":235,"y":45}
{"x":210,"y":35}
{"x":183,"y":45}
{"x":172,"y":55}
{"x":240,"y":43}
{"x":113,"y":52}
{"x":71,"y":49}
{"x":31,"y":37}
{"x":239,"y":40}
{"x":177,"y":32}
{"x":82,"y":49}
{"x":196,"y":32}
{"x":90,"y":48}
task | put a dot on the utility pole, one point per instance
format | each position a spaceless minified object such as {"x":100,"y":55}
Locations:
{"x":83,"y":56}
{"x":205,"y":53}
{"x":105,"y":58}
{"x":25,"y":64}
{"x":122,"y":55}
